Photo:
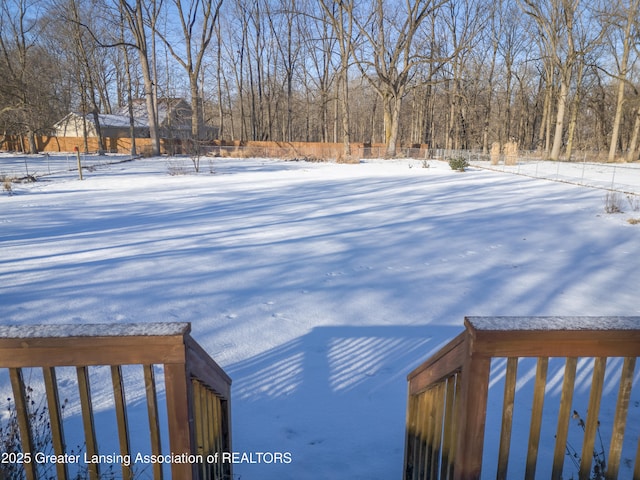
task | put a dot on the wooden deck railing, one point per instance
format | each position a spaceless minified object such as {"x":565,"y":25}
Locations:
{"x":197,"y":395}
{"x":447,"y":405}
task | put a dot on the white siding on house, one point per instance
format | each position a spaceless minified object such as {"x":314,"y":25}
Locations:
{"x":174,"y":117}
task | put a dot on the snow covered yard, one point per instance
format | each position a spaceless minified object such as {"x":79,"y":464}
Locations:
{"x":317,"y":287}
{"x":622,"y":177}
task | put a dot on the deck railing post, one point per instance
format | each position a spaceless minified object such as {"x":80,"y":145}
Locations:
{"x":471,"y":414}
{"x":180,"y":418}
{"x":466,"y":360}
{"x":166,"y":346}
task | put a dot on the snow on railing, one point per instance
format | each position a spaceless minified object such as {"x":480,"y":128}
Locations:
{"x":196,"y":413}
{"x":450,"y":393}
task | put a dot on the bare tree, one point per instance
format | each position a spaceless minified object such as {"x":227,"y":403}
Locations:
{"x":319,"y":69}
{"x":511,"y":43}
{"x":463,"y":19}
{"x":388,"y":58}
{"x":234,"y":45}
{"x":133,"y":14}
{"x":193,"y":14}
{"x":564,"y":28}
{"x":259,"y":54}
{"x":283,"y":19}
{"x":129,"y":87}
{"x":26,"y":102}
{"x":341,"y":17}
{"x":82,"y":50}
{"x":624,"y":19}
{"x":632,"y":153}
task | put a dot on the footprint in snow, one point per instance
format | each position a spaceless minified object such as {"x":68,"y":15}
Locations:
{"x":334,"y":274}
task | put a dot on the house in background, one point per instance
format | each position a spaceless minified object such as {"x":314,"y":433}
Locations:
{"x":174,"y":121}
{"x":112,"y":126}
{"x":174,"y":116}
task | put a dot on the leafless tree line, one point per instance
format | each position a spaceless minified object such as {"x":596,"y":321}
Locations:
{"x":552,"y":75}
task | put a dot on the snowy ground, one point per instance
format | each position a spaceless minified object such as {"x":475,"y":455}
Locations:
{"x":317,"y":287}
{"x":620,"y":177}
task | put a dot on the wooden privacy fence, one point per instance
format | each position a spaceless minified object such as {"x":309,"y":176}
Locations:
{"x":448,"y":395}
{"x":197,"y":393}
{"x":173,"y":146}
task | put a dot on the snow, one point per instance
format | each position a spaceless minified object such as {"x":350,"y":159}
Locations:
{"x":621,"y":177}
{"x":317,"y":287}
{"x":93,"y":330}
{"x":555,"y":323}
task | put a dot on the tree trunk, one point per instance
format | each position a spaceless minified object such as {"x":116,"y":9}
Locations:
{"x":127,"y":67}
{"x":632,"y":155}
{"x":196,"y":107}
{"x":544,"y":136}
{"x":562,"y":105}
{"x":151,"y":109}
{"x":391,"y":114}
{"x":33,"y":146}
{"x":627,"y":43}
{"x":344,"y":104}
{"x":386,"y":117}
{"x":394,"y":126}
{"x":219,"y":83}
{"x":574,"y":110}
{"x":613,"y":146}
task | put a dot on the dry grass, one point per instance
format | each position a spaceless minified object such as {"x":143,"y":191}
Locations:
{"x":347,"y":159}
{"x":7,"y":185}
{"x":495,"y":153}
{"x":510,"y":151}
{"x":612,"y":203}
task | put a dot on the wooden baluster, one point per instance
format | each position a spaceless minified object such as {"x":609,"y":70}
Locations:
{"x":619,"y":423}
{"x":536,"y":417}
{"x":448,"y":440}
{"x":55,"y":419}
{"x":410,"y":437}
{"x":22,"y":415}
{"x":564,"y":417}
{"x":84,"y":389}
{"x":436,"y":453}
{"x":121,"y":418}
{"x":154,"y":422}
{"x":591,"y":426}
{"x":507,"y":417}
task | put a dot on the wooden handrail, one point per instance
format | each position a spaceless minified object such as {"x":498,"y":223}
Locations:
{"x":197,"y":390}
{"x":449,"y":392}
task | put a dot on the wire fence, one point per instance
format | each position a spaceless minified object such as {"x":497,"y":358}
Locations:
{"x":618,"y":177}
{"x":26,"y":167}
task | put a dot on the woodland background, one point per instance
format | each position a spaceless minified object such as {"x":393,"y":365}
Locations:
{"x":556,"y":76}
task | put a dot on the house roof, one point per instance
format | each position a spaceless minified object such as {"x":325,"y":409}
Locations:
{"x":172,"y":112}
{"x":106,"y":120}
{"x":165,"y":107}
{"x":118,"y":120}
